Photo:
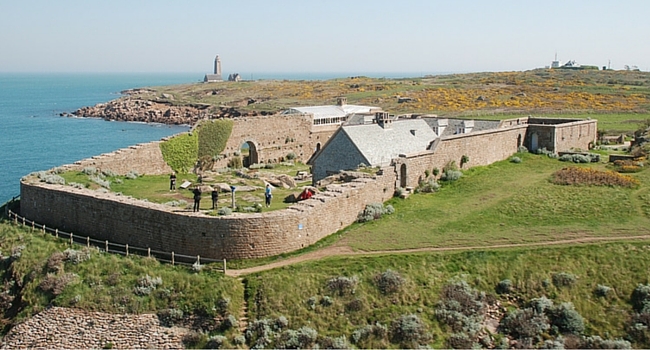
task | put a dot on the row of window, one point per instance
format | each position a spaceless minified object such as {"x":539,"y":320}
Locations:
{"x":333,"y":120}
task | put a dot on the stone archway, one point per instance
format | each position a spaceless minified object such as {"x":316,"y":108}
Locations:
{"x":318,"y":147}
{"x":249,"y":154}
{"x":518,"y":142}
{"x":402,"y":176}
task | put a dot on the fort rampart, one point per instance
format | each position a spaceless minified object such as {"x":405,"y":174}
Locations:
{"x":108,"y":216}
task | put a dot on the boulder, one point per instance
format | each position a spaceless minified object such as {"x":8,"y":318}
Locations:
{"x":223,"y":187}
{"x":287,"y":180}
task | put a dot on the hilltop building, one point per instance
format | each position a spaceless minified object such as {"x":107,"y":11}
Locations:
{"x":216,"y":77}
{"x":333,"y":114}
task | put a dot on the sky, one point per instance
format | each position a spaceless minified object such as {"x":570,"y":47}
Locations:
{"x":351,"y":36}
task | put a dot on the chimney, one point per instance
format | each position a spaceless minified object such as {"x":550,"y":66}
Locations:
{"x":383,"y":119}
{"x":341,"y":101}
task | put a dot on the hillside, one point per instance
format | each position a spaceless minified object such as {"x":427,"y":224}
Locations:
{"x":621,"y":96}
{"x":398,"y":285}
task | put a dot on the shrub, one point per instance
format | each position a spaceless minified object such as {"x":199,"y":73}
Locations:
{"x":224,"y":211}
{"x":524,"y":323}
{"x":291,"y":156}
{"x":374,"y":211}
{"x":89,"y":170}
{"x":563,"y":279}
{"x":55,"y":262}
{"x":192,"y":338}
{"x":281,"y":322}
{"x":504,"y":287}
{"x":55,"y":284}
{"x":376,"y":330}
{"x":435,"y":171}
{"x":354,"y":305}
{"x":461,"y":307}
{"x":540,"y":305}
{"x":566,"y":319}
{"x":239,"y":340}
{"x":409,"y":330}
{"x":177,"y":203}
{"x":213,"y":136}
{"x":343,"y":285}
{"x":389,"y":282}
{"x":311,"y":302}
{"x":235,"y":163}
{"x":170,"y":317}
{"x":132,"y":175}
{"x":399,"y":191}
{"x":596,"y":342}
{"x":109,"y":173}
{"x":428,"y":186}
{"x":230,"y":322}
{"x":52,"y":179}
{"x":602,"y":291}
{"x":101,"y":182}
{"x":451,"y":175}
{"x":76,"y":256}
{"x":326,"y":301}
{"x":146,"y":285}
{"x":303,"y":338}
{"x":181,"y":152}
{"x":222,"y":305}
{"x":77,"y":185}
{"x":215,"y":342}
{"x":461,"y":341}
{"x":515,"y":160}
{"x":640,"y":297}
{"x":522,"y":149}
{"x":335,"y":343}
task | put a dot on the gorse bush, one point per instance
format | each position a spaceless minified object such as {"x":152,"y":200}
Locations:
{"x":146,"y":285}
{"x":389,"y":282}
{"x":343,"y":285}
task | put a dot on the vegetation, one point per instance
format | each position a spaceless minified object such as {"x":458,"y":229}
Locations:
{"x":181,"y":151}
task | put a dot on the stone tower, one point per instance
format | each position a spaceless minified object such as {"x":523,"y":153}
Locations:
{"x":217,"y":66}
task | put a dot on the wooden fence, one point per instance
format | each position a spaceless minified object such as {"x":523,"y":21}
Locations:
{"x":105,"y":245}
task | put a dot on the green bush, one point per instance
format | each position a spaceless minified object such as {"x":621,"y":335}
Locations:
{"x":213,"y":136}
{"x":515,"y":160}
{"x":640,"y":297}
{"x":235,"y":163}
{"x":343,"y":285}
{"x":409,"y":330}
{"x":504,"y":287}
{"x":524,"y":323}
{"x":181,"y":152}
{"x":565,"y":319}
{"x":291,"y":156}
{"x":374,"y":211}
{"x":602,"y":291}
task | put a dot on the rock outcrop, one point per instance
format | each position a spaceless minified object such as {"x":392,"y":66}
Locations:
{"x":133,"y":109}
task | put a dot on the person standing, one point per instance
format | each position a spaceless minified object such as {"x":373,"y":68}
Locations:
{"x":268,"y":195}
{"x":172,"y":181}
{"x":197,"y":198}
{"x":215,"y":198}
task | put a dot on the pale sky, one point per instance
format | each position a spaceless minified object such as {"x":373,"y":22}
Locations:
{"x":270,"y":36}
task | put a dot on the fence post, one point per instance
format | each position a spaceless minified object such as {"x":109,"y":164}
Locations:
{"x":224,"y":265}
{"x":43,"y":228}
{"x":56,"y":233}
{"x":88,"y":241}
{"x":172,"y":258}
{"x":71,"y":240}
{"x":148,"y":252}
{"x":32,"y":226}
{"x":15,"y":219}
{"x":127,"y":249}
{"x":106,"y":246}
{"x":198,"y":260}
{"x":23,"y":221}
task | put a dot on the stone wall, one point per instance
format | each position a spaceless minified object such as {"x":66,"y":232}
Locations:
{"x":107,"y":216}
{"x":145,"y":158}
{"x":62,"y":328}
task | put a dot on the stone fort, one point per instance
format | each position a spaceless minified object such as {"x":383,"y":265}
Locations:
{"x":109,"y":216}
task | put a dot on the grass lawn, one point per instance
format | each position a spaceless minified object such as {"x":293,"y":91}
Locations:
{"x":155,"y":188}
{"x":506,"y":203}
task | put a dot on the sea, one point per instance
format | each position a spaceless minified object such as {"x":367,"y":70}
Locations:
{"x":34,"y":136}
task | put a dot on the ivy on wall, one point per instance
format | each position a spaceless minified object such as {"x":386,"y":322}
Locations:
{"x":213,"y":136}
{"x":180,"y":152}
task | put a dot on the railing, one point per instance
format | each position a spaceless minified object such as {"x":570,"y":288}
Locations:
{"x":110,"y":247}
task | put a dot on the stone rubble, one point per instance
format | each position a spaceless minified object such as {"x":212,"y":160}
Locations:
{"x":63,"y":328}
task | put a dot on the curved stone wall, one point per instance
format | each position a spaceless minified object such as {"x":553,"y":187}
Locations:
{"x":107,"y":216}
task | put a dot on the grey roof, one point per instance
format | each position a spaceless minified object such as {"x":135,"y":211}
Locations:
{"x":379,"y":145}
{"x":212,"y":77}
{"x":331,"y":111}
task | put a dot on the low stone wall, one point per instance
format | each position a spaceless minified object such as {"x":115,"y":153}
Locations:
{"x":145,"y":158}
{"x":107,"y":216}
{"x":62,"y":328}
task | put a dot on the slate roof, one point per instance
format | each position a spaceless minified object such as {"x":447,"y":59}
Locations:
{"x":379,"y":145}
{"x":212,"y":77}
{"x":453,"y":124}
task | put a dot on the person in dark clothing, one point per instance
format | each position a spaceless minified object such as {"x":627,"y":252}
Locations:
{"x":197,"y":198}
{"x":215,"y":198}
{"x":268,"y":195}
{"x":172,"y":181}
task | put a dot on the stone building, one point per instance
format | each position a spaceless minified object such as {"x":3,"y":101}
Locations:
{"x":216,"y":77}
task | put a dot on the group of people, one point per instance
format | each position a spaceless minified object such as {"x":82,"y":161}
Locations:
{"x":214,"y":194}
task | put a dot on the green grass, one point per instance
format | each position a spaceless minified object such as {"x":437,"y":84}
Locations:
{"x":618,"y":265}
{"x":504,"y":203}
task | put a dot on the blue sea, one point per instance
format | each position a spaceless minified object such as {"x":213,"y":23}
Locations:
{"x":34,"y":137}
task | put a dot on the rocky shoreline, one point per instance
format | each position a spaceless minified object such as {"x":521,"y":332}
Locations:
{"x":133,"y":109}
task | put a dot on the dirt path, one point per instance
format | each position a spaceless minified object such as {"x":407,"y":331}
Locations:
{"x":344,"y":250}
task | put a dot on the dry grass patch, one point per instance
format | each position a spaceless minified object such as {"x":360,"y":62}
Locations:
{"x":592,"y":177}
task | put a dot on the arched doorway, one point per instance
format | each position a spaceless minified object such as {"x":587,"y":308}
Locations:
{"x":402,"y":176}
{"x":534,"y":140}
{"x":249,"y":154}
{"x":518,"y":141}
{"x":318,"y":147}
